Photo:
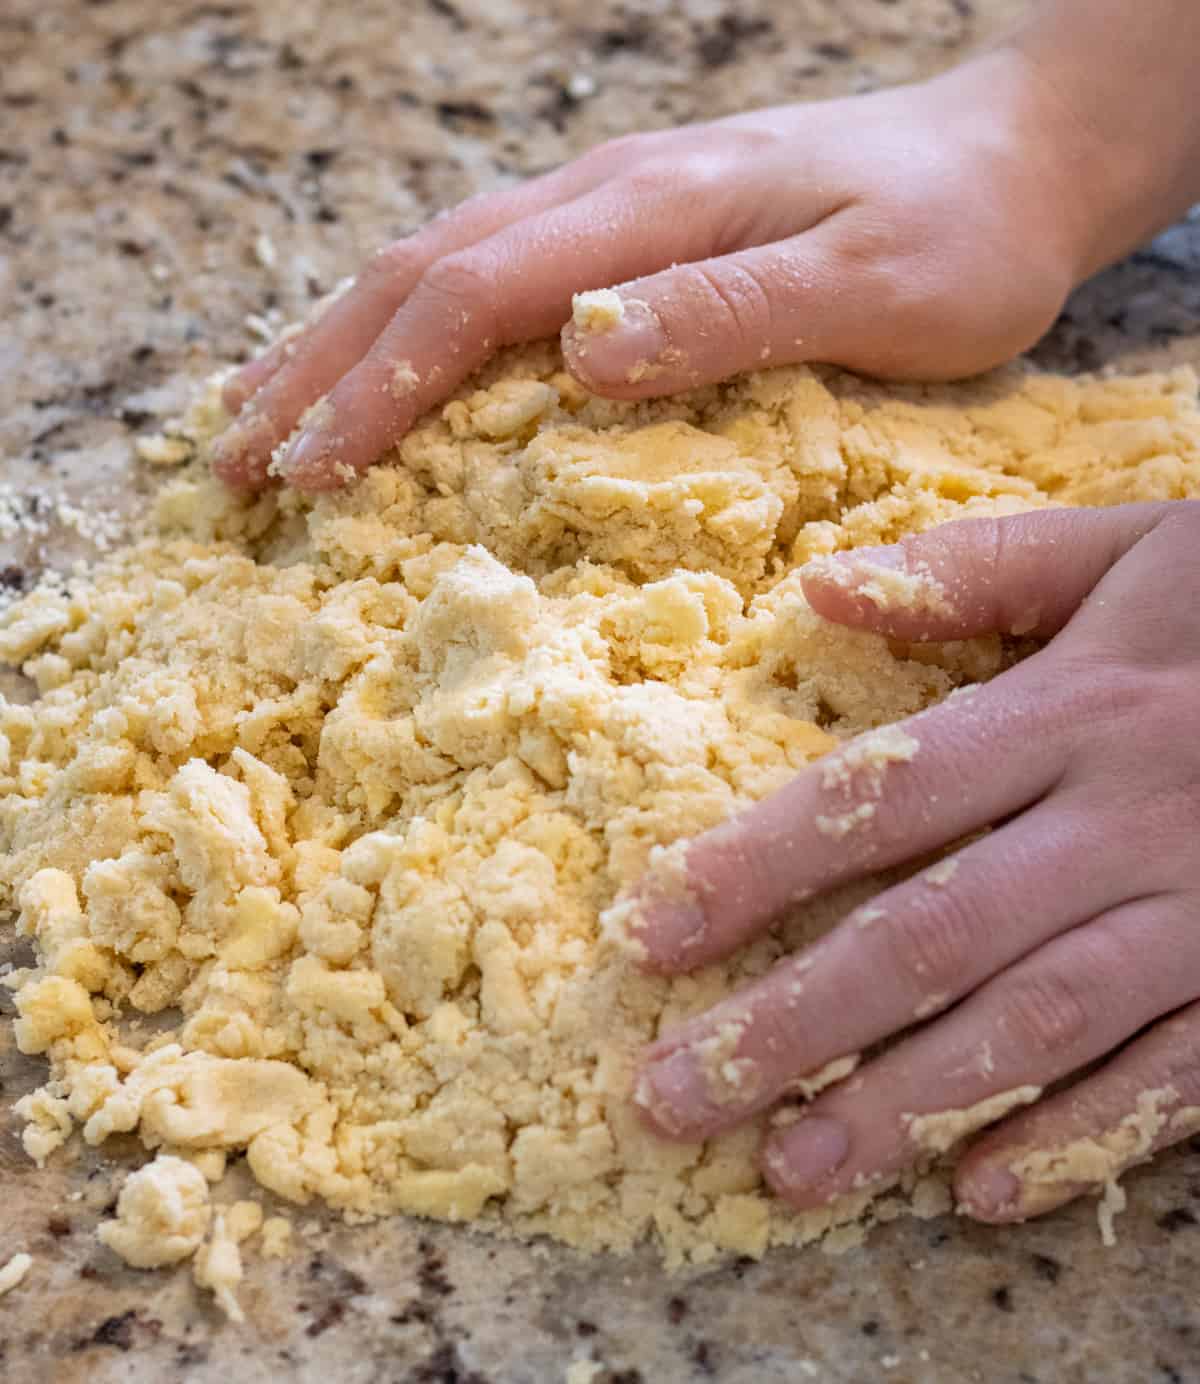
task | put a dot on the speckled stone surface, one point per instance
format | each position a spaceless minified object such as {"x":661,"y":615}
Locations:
{"x":143,"y":148}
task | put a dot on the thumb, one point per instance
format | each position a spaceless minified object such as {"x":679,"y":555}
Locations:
{"x":1024,"y":574}
{"x":697,"y":323}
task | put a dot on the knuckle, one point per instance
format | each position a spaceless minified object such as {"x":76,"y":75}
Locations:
{"x":391,"y":262}
{"x":1177,"y":1060}
{"x":623,"y":149}
{"x":462,"y":279}
{"x":931,"y":947}
{"x":731,"y":294}
{"x":1046,"y":1013}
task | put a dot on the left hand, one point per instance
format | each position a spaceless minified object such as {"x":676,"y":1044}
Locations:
{"x":1067,"y":934}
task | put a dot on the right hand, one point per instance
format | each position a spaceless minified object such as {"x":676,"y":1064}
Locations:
{"x":923,"y":232}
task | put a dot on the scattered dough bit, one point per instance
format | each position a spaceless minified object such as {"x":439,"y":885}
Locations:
{"x":276,"y":1237}
{"x":162,"y":1214}
{"x":942,"y":873}
{"x":341,"y":788}
{"x":868,"y":758}
{"x":161,"y":449}
{"x":939,"y":1132}
{"x":583,"y":1371}
{"x":930,"y":1005}
{"x":916,"y":591}
{"x":838,"y":1070}
{"x":868,"y":915}
{"x":404,"y":380}
{"x":13,"y":1273}
{"x":218,"y":1267}
{"x":600,"y":310}
{"x":845,"y":822}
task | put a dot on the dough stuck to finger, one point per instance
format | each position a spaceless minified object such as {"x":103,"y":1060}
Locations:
{"x":341,"y":787}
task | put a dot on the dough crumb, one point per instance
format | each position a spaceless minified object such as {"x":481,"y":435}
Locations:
{"x":838,"y":1070}
{"x":583,"y":1371}
{"x":942,"y":873}
{"x":938,"y":1132}
{"x":276,"y":1237}
{"x":13,"y":1273}
{"x":845,"y":822}
{"x":162,"y":1214}
{"x":404,"y":381}
{"x":599,"y":310}
{"x":161,"y":449}
{"x":218,"y":1267}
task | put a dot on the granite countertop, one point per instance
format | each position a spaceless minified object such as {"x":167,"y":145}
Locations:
{"x":144,"y":150}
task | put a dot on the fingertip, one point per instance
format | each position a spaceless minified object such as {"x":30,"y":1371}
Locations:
{"x":801,"y":1161}
{"x":617,"y":346}
{"x":664,"y":1088}
{"x":987,"y":1192}
{"x":234,"y":393}
{"x":888,"y":589}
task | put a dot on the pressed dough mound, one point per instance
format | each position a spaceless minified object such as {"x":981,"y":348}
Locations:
{"x":343,"y":787}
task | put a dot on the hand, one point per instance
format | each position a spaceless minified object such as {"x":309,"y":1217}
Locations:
{"x":927,"y":231}
{"x":1069,"y":929}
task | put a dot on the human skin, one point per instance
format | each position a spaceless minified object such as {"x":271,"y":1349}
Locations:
{"x":924,"y":232}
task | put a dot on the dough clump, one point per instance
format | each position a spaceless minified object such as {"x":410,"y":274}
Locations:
{"x":340,"y":789}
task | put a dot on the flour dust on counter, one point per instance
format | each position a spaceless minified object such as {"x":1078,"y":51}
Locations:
{"x":343,"y":791}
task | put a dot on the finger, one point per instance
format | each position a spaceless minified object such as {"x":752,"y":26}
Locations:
{"x":250,"y":378}
{"x":700,"y":322}
{"x":1084,"y":1137}
{"x":1022,"y":574}
{"x":295,"y":373}
{"x":909,"y":954}
{"x":884,"y":798}
{"x":1055,"y":1011}
{"x":515,"y":286}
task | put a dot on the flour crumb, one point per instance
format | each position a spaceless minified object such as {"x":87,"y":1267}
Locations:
{"x":404,"y":380}
{"x":938,"y":1132}
{"x":843,"y":823}
{"x":838,"y":1070}
{"x":13,"y":1273}
{"x":599,"y":310}
{"x":218,"y":1267}
{"x":276,"y":1237}
{"x":162,"y":1214}
{"x":942,"y":873}
{"x":583,"y":1371}
{"x":264,"y":251}
{"x":161,"y":449}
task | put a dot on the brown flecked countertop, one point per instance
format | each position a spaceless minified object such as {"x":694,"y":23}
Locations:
{"x":145,"y":147}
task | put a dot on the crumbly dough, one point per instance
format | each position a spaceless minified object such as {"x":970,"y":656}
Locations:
{"x":340,"y":789}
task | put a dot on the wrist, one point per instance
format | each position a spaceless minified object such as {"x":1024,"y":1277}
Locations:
{"x":1103,"y":102}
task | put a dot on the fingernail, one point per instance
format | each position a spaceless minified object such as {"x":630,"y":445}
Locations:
{"x":308,"y":460}
{"x":632,"y":348}
{"x":669,"y":931}
{"x":808,"y":1151}
{"x":663,"y":917}
{"x":674,"y":1092}
{"x":991,"y":1191}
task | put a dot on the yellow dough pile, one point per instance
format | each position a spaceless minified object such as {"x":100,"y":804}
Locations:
{"x":340,"y":790}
